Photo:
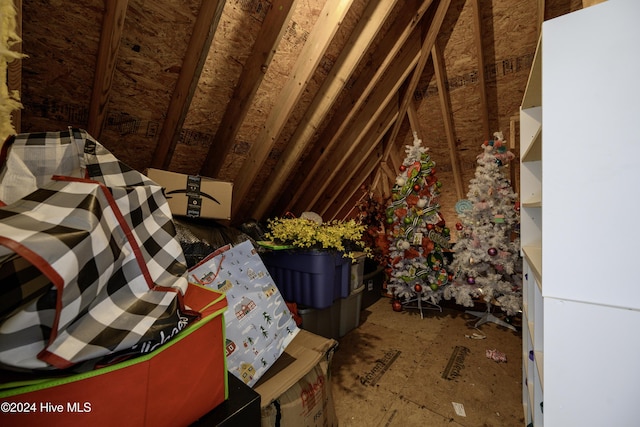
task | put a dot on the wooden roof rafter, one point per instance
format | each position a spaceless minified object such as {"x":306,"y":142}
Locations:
{"x":429,"y":41}
{"x":353,"y":203}
{"x":253,"y":72}
{"x":106,"y":60}
{"x":435,"y":23}
{"x":387,"y":172}
{"x":477,"y":35}
{"x":361,"y":38}
{"x":447,"y":117}
{"x":363,"y":120}
{"x":367,"y":167}
{"x":400,"y":37}
{"x":188,"y":78}
{"x":327,"y":25}
{"x":352,"y":170}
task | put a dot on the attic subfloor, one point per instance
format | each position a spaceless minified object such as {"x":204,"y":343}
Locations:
{"x":398,"y":369}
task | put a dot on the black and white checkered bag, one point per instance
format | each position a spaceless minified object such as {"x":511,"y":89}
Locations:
{"x":90,"y":266}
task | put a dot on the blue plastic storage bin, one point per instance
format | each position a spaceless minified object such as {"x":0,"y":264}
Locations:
{"x":310,"y":277}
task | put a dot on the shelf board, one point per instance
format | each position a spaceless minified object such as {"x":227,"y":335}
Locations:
{"x":534,"y":150}
{"x":533,"y":256}
{"x":532,"y":204}
{"x":533,"y":93}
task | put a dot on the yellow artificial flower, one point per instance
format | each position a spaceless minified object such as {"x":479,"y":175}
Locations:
{"x":305,"y":233}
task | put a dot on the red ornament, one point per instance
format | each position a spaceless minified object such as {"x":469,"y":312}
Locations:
{"x":396,"y":305}
{"x":459,"y":226}
{"x":416,"y":187}
{"x":430,"y":227}
{"x":418,"y":287}
{"x":450,"y":277}
{"x":403,"y":168}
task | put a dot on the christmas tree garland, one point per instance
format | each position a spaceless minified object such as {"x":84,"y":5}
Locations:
{"x":416,"y":231}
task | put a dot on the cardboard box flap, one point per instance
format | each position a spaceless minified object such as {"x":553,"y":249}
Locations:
{"x":300,"y":357}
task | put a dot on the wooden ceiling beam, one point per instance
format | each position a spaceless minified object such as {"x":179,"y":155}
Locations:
{"x":400,"y":37}
{"x":447,"y":118}
{"x":192,"y":64}
{"x":434,"y":23}
{"x":381,"y":184}
{"x":271,"y":32}
{"x":396,"y":159}
{"x":482,"y":80}
{"x":352,"y":167}
{"x":541,"y":11}
{"x":113,"y":19}
{"x":355,"y":49}
{"x":387,"y":186}
{"x":414,"y":122}
{"x":384,"y":166}
{"x":367,"y":167}
{"x":374,"y":105}
{"x":377,"y":183}
{"x":316,"y":45}
{"x":352,"y":207}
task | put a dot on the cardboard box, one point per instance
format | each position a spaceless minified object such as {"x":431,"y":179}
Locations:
{"x":174,"y":385}
{"x":296,"y":390}
{"x":193,"y":195}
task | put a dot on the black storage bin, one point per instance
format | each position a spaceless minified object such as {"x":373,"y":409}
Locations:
{"x":372,"y":282}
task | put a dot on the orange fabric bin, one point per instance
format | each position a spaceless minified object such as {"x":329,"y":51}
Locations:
{"x":171,"y":386}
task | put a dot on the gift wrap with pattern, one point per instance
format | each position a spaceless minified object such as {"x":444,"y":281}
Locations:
{"x":259,"y":325}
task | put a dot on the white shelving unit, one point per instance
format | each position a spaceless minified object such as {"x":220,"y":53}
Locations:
{"x":531,"y":241}
{"x":580,"y":198}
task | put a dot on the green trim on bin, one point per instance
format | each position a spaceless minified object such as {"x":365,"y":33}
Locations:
{"x":27,"y":386}
{"x":273,"y":245}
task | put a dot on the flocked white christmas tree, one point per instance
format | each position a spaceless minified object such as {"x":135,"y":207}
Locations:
{"x":486,"y":262}
{"x":417,"y":233}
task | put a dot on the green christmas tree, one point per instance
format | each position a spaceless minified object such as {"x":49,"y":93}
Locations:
{"x":417,"y":233}
{"x":486,"y":262}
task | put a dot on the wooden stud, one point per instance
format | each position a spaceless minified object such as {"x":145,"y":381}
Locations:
{"x":361,"y":38}
{"x":271,"y":32}
{"x":325,"y":28}
{"x":197,"y":51}
{"x":106,"y":60}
